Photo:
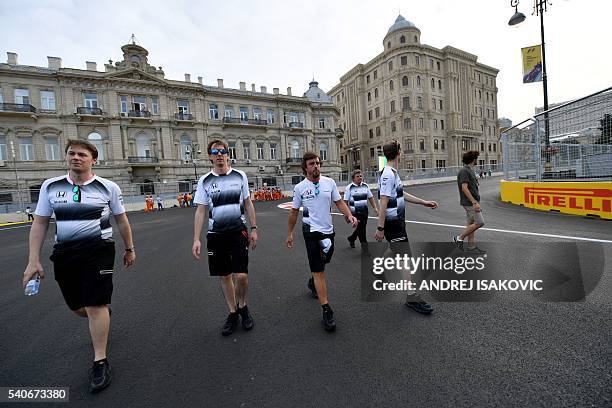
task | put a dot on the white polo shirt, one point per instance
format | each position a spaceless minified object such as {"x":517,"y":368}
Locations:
{"x":317,"y":206}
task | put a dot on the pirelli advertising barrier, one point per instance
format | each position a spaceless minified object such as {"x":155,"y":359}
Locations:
{"x":571,"y":198}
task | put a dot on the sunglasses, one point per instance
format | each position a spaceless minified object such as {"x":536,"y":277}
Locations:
{"x":316,"y":185}
{"x":77,"y":194}
{"x":215,"y":152}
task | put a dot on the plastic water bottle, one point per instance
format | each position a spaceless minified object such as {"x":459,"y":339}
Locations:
{"x":32,"y":286}
{"x":325,"y":245}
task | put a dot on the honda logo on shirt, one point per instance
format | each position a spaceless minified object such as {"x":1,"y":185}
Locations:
{"x":60,"y":194}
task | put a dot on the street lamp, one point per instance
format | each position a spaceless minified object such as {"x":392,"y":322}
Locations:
{"x":195,"y":148}
{"x":17,"y":178}
{"x":539,"y":7}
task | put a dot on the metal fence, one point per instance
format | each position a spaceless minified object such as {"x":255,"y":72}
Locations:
{"x":569,"y":142}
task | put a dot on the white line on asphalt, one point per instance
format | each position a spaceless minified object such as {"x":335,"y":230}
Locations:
{"x":8,"y":228}
{"x":506,"y":231}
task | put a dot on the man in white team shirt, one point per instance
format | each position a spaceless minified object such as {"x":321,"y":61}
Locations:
{"x":84,"y":253}
{"x":225,"y":191}
{"x":316,"y":193}
{"x":392,"y":217}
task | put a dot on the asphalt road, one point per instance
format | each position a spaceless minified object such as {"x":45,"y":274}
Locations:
{"x":166,"y":348}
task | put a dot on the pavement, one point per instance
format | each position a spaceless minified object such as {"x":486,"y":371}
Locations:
{"x":166,"y":348}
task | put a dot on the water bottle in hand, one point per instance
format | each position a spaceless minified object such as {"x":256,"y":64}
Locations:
{"x":32,"y":286}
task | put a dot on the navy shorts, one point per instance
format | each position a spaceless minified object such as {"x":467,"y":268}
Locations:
{"x":228,"y":252}
{"x":317,"y":256}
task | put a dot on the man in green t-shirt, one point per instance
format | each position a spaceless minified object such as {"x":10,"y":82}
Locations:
{"x":469,"y":198}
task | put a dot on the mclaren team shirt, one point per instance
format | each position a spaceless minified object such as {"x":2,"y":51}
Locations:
{"x":316,"y":198}
{"x":390,"y":185}
{"x":84,"y":219}
{"x":357,"y":197}
{"x":225,"y":195}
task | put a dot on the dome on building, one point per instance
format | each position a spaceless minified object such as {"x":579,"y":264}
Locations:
{"x":316,"y":94}
{"x":400,"y":24}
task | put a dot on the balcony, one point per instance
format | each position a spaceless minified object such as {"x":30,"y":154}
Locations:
{"x":183,"y":116}
{"x":18,"y":108}
{"x":139,"y":114}
{"x":297,"y":126}
{"x":243,"y":122}
{"x":293,"y":160}
{"x":142,"y":160}
{"x":83,"y":110}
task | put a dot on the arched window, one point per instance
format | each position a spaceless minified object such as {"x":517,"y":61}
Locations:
{"x":390,"y":85}
{"x":404,"y":81}
{"x":416,"y":39}
{"x":295,"y":150}
{"x":323,"y":151}
{"x":375,"y":92}
{"x":433,"y":84}
{"x":185,"y":147}
{"x":142,"y":146}
{"x":418,"y":80}
{"x":369,"y":96}
{"x":96,"y":140}
{"x":439,"y":84}
{"x":388,"y":44}
{"x":402,"y":39}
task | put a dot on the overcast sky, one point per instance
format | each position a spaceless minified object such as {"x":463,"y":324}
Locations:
{"x":281,"y":43}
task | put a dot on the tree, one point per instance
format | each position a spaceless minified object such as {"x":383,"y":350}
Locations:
{"x":606,"y":130}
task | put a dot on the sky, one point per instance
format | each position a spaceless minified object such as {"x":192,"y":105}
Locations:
{"x":282,"y":43}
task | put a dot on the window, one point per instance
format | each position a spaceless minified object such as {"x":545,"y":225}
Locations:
{"x":435,"y":123}
{"x":439,"y":84}
{"x":406,"y":103}
{"x":260,"y":151}
{"x":375,"y":93}
{"x":272,"y":151}
{"x":246,"y":149}
{"x":422,"y":145}
{"x":433,"y":83}
{"x":295,"y":149}
{"x":489,"y":130}
{"x":293,"y":117}
{"x":377,"y":112}
{"x":90,"y":100}
{"x":47,"y":100}
{"x":185,"y":147}
{"x":418,"y":80}
{"x":393,"y":128}
{"x":392,"y":106}
{"x":96,"y":140}
{"x":370,"y":115}
{"x":123,"y":100}
{"x":270,"y":116}
{"x":182,"y":106}
{"x":22,"y":96}
{"x":416,"y":39}
{"x":441,"y":104}
{"x":228,"y":111}
{"x":404,"y":81}
{"x":482,"y":147}
{"x":371,"y":133}
{"x":404,"y":60}
{"x":371,"y":152}
{"x":421,"y":123}
{"x":232,"y":150}
{"x":402,"y":39}
{"x":155,"y":105}
{"x":442,"y":127}
{"x":139,"y":103}
{"x":244,"y":113}
{"x":438,"y":64}
{"x":388,"y":44}
{"x":213,"y":111}
{"x":407,"y":123}
{"x":367,"y":79}
{"x":440,"y":164}
{"x":390,"y":85}
{"x":435,"y":144}
{"x":431,"y":63}
{"x":390,"y":66}
{"x":375,"y":75}
{"x":465,"y":145}
{"x":321,"y":122}
{"x":323,"y":151}
{"x":377,"y":130}
{"x":417,"y":60}
{"x":433,"y":103}
{"x":488,"y":113}
{"x":494,"y":147}
{"x":1,"y":97}
{"x":493,"y":113}
{"x":479,"y":95}
{"x":409,"y":145}
{"x":51,"y":148}
{"x":369,"y":96}
{"x":26,"y":149}
{"x":442,"y":144}
{"x":419,"y":102}
{"x":3,"y":154}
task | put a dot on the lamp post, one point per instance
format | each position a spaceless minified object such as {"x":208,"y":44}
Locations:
{"x":17,"y":179}
{"x":539,"y":7}
{"x":195,"y":150}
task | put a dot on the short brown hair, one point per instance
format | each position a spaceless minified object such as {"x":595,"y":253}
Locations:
{"x":391,"y":149}
{"x":470,"y":156}
{"x":84,"y":144}
{"x":308,"y":156}
{"x":216,"y":142}
{"x":355,"y":173}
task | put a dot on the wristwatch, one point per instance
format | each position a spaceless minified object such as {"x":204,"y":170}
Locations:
{"x":380,"y":228}
{"x":129,"y":249}
{"x":254,"y":227}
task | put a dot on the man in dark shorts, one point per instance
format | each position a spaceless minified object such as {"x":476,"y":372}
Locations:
{"x":84,"y":254}
{"x":225,"y":191}
{"x":357,"y":195}
{"x":469,"y":198}
{"x":392,"y":217}
{"x":316,"y":193}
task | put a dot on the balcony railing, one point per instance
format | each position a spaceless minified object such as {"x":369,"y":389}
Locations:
{"x":142,"y":159}
{"x":245,"y":121}
{"x":139,"y":114}
{"x":17,"y":107}
{"x":293,"y":160}
{"x":296,"y":125}
{"x":84,"y":110}
{"x":183,"y":116}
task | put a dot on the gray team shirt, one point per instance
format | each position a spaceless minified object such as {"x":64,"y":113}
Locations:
{"x":357,"y":198}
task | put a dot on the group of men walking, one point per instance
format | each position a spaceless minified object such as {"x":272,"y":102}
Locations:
{"x":84,"y":252}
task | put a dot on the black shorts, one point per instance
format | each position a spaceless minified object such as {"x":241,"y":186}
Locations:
{"x":317,"y":258}
{"x":395,"y":231}
{"x":84,"y":272}
{"x":228,"y":252}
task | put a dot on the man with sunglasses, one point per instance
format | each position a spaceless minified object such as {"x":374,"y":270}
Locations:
{"x":225,"y":191}
{"x":84,"y":254}
{"x":315,"y":194}
{"x":391,"y":216}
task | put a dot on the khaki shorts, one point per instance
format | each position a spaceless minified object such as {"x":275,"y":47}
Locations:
{"x":472,"y":216}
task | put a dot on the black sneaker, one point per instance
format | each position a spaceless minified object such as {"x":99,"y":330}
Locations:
{"x":351,"y":243}
{"x":99,"y":376}
{"x":230,"y":324}
{"x":313,"y":289}
{"x":475,"y":250}
{"x":329,"y":323}
{"x":458,"y":243}
{"x":245,"y":316}
{"x":417,"y":304}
